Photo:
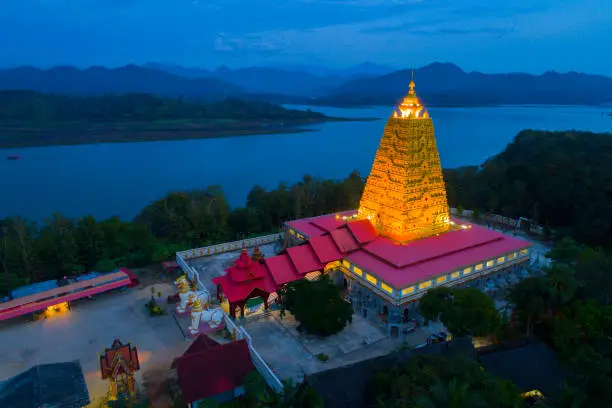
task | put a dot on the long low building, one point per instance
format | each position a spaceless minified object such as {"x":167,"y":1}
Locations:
{"x":62,"y":295}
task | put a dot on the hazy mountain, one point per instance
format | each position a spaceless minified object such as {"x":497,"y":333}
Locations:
{"x":437,"y":84}
{"x":361,"y":70}
{"x":100,"y":80}
{"x":179,"y":70}
{"x":447,"y":84}
{"x":276,"y":81}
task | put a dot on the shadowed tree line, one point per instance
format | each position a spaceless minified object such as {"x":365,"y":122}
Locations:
{"x":34,"y":106}
{"x":562,"y":180}
{"x":58,"y":247}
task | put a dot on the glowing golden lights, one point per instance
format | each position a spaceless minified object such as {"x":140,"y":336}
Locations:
{"x":405,"y":195}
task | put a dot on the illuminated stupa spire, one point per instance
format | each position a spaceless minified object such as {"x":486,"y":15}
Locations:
{"x":405,"y":196}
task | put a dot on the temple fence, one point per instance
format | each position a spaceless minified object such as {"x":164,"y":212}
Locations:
{"x":510,"y":222}
{"x":228,"y":246}
{"x":266,"y":372}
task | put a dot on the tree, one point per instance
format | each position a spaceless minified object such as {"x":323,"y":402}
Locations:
{"x":90,"y":242}
{"x":562,"y":285}
{"x":463,"y":312}
{"x":442,"y":381}
{"x":317,"y":306}
{"x":435,"y":302}
{"x":530,"y":298}
{"x":565,"y":251}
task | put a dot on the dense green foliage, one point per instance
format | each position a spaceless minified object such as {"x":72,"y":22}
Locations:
{"x":33,"y":106}
{"x":570,"y":307}
{"x":63,"y":247}
{"x":434,"y":381}
{"x":463,"y":311}
{"x":559,"y":179}
{"x":317,"y":305}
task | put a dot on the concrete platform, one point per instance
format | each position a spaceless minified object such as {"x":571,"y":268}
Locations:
{"x":84,"y":332}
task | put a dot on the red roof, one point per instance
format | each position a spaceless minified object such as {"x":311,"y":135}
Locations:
{"x":213,"y":371}
{"x":344,"y":240}
{"x":423,"y":259}
{"x":363,"y":231}
{"x":416,"y":261}
{"x":237,"y":291}
{"x":282,"y":269}
{"x":306,"y":228}
{"x":246,"y":269}
{"x":325,"y":248}
{"x":304,"y":259}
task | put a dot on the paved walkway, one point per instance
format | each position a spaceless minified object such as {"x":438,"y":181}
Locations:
{"x":83,"y":333}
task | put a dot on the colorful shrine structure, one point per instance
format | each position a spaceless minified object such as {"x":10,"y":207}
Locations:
{"x":399,"y":243}
{"x":118,"y":365}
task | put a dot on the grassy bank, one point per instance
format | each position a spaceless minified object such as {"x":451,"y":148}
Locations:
{"x":16,"y":135}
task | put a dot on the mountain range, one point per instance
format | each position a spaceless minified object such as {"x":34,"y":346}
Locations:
{"x":438,"y":84}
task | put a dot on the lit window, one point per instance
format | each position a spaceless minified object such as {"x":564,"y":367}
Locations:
{"x":512,"y":255}
{"x":369,"y":278}
{"x":346,"y":264}
{"x":360,"y":273}
{"x":386,"y":288}
{"x":425,"y":285}
{"x":524,"y":251}
{"x":441,"y":279}
{"x":408,"y":291}
{"x":478,"y":267}
{"x":501,"y":259}
{"x":455,"y":275}
{"x":467,"y":270}
{"x":490,"y":263}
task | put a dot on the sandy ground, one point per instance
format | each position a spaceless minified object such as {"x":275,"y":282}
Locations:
{"x":84,"y":332}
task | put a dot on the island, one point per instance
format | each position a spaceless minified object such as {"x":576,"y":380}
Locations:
{"x":29,"y":119}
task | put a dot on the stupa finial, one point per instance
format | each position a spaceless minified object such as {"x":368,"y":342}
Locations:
{"x":412,"y":84}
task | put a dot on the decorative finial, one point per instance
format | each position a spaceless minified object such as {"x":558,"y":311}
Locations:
{"x":412,"y":84}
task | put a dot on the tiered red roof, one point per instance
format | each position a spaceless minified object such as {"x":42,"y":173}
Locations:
{"x":244,"y":277}
{"x":119,"y":359}
{"x":334,"y":237}
{"x":208,"y":368}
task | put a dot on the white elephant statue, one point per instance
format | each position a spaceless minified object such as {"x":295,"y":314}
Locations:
{"x":200,"y":312}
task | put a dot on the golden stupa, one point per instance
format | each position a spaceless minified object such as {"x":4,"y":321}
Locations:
{"x":405,"y":195}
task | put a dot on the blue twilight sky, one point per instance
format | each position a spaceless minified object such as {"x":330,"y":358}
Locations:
{"x":485,"y":35}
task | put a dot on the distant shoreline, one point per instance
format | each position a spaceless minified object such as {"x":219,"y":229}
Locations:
{"x":15,"y":135}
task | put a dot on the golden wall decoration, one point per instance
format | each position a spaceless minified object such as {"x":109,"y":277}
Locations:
{"x":405,"y":195}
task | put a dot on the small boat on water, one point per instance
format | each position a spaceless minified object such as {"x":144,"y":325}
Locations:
{"x":13,"y":157}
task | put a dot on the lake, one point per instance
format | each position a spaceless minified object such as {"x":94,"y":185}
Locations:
{"x":121,"y":178}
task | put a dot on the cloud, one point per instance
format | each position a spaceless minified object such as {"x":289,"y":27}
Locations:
{"x":253,"y":44}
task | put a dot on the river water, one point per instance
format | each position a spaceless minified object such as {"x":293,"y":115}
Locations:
{"x":121,"y":178}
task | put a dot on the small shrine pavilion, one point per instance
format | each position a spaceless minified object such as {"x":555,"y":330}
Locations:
{"x":244,"y":280}
{"x":118,"y":365}
{"x":399,"y":243}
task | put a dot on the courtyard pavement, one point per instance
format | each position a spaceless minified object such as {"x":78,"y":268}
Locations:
{"x":293,"y":355}
{"x":84,"y":332}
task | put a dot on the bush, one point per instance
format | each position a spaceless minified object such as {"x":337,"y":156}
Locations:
{"x":154,"y":309}
{"x":322,"y":357}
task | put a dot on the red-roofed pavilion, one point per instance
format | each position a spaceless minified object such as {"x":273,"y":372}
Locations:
{"x":244,"y":280}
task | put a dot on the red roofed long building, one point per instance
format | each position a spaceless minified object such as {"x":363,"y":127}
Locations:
{"x":398,"y":244}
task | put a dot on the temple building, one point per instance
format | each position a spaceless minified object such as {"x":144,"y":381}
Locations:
{"x":399,"y":243}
